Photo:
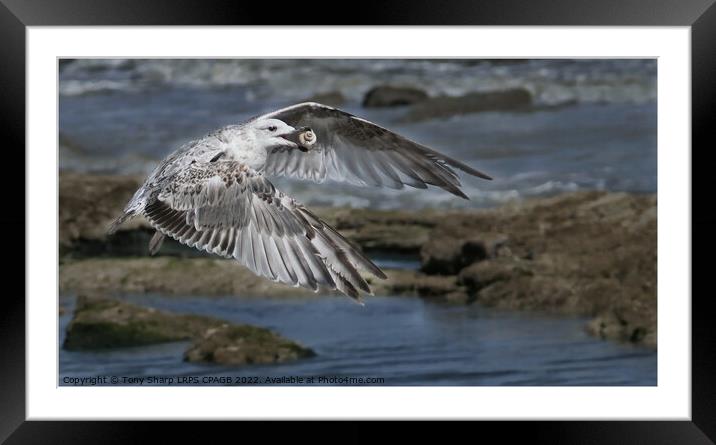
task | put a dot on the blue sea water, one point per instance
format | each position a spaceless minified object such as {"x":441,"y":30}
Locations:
{"x":403,"y":340}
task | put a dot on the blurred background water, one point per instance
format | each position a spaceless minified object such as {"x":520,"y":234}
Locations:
{"x":593,"y":126}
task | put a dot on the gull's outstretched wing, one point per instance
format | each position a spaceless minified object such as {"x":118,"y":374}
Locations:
{"x":230,"y":210}
{"x":360,"y":152}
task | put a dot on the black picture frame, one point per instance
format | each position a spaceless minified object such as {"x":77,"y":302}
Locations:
{"x":16,"y":15}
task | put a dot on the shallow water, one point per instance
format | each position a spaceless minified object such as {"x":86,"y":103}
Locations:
{"x":403,"y":340}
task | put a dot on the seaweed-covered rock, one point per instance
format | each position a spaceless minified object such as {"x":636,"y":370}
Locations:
{"x":634,"y":328}
{"x":393,"y":96}
{"x":101,"y":323}
{"x":395,"y":231}
{"x":587,"y":253}
{"x":410,"y":282}
{"x":482,"y":274}
{"x":207,"y":276}
{"x":447,"y":255}
{"x":88,"y":204}
{"x":169,"y":276}
{"x":242,"y":345}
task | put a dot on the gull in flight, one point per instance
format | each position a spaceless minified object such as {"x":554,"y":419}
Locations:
{"x":213,"y":193}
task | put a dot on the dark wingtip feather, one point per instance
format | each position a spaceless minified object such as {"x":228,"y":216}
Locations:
{"x":370,"y":267}
{"x":455,"y":190}
{"x":362,"y":284}
{"x":459,"y":193}
{"x":457,"y":164}
{"x":349,"y":289}
{"x":469,"y":170}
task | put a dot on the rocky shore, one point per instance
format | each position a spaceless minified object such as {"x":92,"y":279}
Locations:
{"x":102,"y":323}
{"x":422,"y":107}
{"x":590,"y":254}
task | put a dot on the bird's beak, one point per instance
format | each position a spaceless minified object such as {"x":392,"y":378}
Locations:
{"x":299,"y":137}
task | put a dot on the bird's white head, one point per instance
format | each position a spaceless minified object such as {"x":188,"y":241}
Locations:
{"x":251,"y":143}
{"x":274,"y":133}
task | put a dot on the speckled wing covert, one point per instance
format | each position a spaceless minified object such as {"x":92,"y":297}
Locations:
{"x":354,"y":150}
{"x":228,"y":209}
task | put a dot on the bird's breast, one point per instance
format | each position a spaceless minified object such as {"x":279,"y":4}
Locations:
{"x":248,"y":154}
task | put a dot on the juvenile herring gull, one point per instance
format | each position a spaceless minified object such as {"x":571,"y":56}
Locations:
{"x":213,"y":194}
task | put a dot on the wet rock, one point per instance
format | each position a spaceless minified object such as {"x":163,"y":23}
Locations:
{"x":511,"y":284}
{"x":395,"y":231}
{"x":447,"y":254}
{"x":588,"y":254}
{"x":243,"y":345}
{"x":441,"y":256}
{"x":613,"y":326}
{"x":101,"y":323}
{"x":168,"y":276}
{"x":87,"y":206}
{"x":393,"y":96}
{"x":219,"y":277}
{"x":482,"y":274}
{"x":415,"y":283}
{"x":446,"y":106}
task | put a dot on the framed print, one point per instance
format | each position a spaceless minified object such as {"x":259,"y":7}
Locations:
{"x":506,"y":195}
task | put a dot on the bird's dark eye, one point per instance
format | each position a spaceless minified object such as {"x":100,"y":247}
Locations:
{"x":272,"y":128}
